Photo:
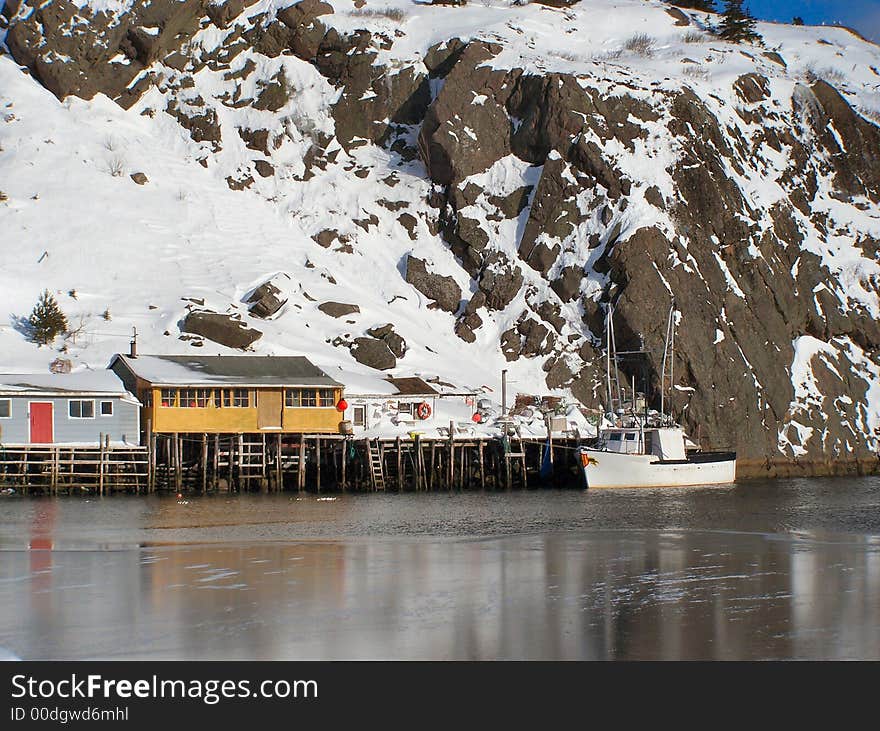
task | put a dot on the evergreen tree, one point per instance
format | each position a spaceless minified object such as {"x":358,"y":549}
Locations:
{"x":797,"y":20}
{"x":737,"y":23}
{"x":47,"y":319}
{"x":707,"y":6}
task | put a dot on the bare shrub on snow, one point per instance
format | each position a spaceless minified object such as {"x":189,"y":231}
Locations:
{"x":608,"y":55}
{"x":694,"y":36}
{"x":116,"y":166}
{"x":569,"y":56}
{"x":640,"y":44}
{"x":395,"y":14}
{"x":696,"y":71}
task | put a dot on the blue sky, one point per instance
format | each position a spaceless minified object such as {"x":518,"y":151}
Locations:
{"x":863,"y":15}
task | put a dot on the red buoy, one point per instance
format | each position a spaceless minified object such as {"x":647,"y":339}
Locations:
{"x":477,"y":417}
{"x":341,"y":405}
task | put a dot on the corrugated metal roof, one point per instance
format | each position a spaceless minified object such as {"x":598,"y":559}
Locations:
{"x":241,"y":370}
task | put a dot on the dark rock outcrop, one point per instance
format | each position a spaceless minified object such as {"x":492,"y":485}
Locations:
{"x":268,"y":298}
{"x":73,"y":51}
{"x":373,"y":353}
{"x":338,"y":309}
{"x":442,"y":290}
{"x":223,"y":329}
{"x":385,"y":333}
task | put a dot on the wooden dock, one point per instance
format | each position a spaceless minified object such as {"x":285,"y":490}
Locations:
{"x":202,"y":463}
{"x":69,"y":469}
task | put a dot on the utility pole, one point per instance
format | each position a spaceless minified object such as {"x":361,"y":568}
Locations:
{"x":504,"y":393}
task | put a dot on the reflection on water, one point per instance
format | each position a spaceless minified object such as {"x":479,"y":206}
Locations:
{"x":745,"y":573}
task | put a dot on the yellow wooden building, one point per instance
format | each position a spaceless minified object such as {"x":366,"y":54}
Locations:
{"x":237,"y":394}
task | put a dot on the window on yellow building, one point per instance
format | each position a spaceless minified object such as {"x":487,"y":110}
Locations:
{"x":296,"y":398}
{"x":236,"y":398}
{"x":300,"y":398}
{"x":169,"y":397}
{"x":203,"y":397}
{"x":187,"y":398}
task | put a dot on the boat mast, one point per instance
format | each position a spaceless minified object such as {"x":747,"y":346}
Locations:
{"x":612,"y":384}
{"x":610,"y":403}
{"x":668,"y":357}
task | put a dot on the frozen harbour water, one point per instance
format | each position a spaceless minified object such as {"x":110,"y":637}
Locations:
{"x":775,"y":570}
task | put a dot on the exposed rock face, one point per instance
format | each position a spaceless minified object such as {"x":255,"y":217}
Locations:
{"x":221,"y":12}
{"x":222,"y":329}
{"x":443,"y":290}
{"x":752,"y":88}
{"x":374,"y":353}
{"x":450,"y":154}
{"x":857,"y":161}
{"x":338,"y":309}
{"x":70,"y":56}
{"x":712,"y":214}
{"x":500,"y":283}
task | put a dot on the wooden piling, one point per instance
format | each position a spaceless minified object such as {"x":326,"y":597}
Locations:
{"x":301,"y":471}
{"x":54,"y":480}
{"x":343,"y":484}
{"x":230,"y":463}
{"x":417,"y":446}
{"x":204,"y":463}
{"x":279,"y":471}
{"x":318,"y":460}
{"x":215,"y":472}
{"x":451,"y":471}
{"x":101,"y":465}
{"x":151,"y":480}
{"x":178,"y":477}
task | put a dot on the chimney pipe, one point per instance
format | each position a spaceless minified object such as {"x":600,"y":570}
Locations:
{"x":133,"y":345}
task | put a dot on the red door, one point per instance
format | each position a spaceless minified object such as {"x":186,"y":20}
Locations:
{"x":42,"y":430}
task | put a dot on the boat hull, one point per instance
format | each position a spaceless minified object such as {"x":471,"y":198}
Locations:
{"x":613,"y":469}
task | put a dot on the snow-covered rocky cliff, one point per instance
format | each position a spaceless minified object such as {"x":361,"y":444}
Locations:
{"x":484,"y":177}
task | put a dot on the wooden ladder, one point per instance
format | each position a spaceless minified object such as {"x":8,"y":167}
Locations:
{"x":377,"y":471}
{"x":251,"y":461}
{"x":517,"y":452}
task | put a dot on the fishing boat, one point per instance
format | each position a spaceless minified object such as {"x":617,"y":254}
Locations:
{"x":641,"y":447}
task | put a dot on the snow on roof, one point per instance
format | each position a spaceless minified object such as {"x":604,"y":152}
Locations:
{"x":241,"y":370}
{"x":412,"y":387}
{"x":82,"y":382}
{"x":364,"y":384}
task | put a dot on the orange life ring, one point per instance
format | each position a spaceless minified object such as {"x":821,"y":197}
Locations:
{"x":423,"y":410}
